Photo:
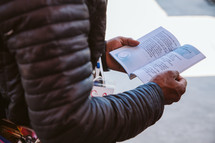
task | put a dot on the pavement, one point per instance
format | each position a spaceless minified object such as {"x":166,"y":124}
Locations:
{"x":192,"y":120}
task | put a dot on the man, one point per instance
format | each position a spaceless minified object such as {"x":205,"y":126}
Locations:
{"x":47,"y":52}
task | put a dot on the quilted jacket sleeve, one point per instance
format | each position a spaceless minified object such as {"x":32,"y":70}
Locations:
{"x":49,"y":40}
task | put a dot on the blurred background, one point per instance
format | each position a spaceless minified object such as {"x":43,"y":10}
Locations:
{"x":192,"y":22}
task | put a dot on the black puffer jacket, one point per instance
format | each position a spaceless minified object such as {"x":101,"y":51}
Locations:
{"x":47,"y":49}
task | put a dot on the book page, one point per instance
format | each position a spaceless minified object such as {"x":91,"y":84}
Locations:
{"x":152,"y":46}
{"x":180,"y":59}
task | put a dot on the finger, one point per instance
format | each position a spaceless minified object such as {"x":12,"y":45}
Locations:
{"x":168,"y":102}
{"x":129,"y":41}
{"x":175,"y":74}
{"x":132,"y":42}
{"x":172,"y":74}
{"x":182,"y":83}
{"x":182,"y":80}
{"x":181,"y":89}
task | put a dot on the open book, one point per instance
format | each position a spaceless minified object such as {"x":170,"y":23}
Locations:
{"x":158,"y":51}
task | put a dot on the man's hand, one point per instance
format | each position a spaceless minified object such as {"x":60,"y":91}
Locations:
{"x":172,"y":85}
{"x":116,"y":43}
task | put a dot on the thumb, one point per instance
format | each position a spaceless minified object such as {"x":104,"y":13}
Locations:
{"x":133,"y":42}
{"x":129,"y":42}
